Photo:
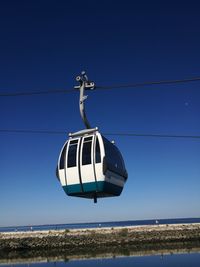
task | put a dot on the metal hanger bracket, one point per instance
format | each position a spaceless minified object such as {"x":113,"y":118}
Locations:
{"x":85,"y":84}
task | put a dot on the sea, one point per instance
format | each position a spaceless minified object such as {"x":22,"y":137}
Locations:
{"x":99,"y":224}
{"x":169,"y":260}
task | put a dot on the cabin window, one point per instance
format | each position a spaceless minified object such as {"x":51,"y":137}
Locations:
{"x":97,"y":151}
{"x":113,"y":155}
{"x":86,"y":152}
{"x":62,"y":158}
{"x":71,"y":160}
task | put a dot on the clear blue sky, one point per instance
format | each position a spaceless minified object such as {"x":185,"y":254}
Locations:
{"x":44,"y":45}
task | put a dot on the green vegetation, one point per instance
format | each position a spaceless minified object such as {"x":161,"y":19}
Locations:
{"x":123,"y":232}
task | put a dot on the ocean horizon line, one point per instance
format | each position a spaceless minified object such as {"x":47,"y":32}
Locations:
{"x":94,"y":224}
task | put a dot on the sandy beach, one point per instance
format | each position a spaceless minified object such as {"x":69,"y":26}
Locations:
{"x":100,"y":230}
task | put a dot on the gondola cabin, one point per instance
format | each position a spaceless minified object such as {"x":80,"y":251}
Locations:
{"x":90,"y":166}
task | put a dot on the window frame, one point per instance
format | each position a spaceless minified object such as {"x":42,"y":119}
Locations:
{"x":86,"y":158}
{"x":72,"y":162}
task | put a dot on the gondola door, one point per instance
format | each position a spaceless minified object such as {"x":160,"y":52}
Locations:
{"x":73,"y":181}
{"x":87,"y":171}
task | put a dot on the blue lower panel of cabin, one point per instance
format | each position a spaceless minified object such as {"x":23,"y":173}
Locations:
{"x":89,"y":190}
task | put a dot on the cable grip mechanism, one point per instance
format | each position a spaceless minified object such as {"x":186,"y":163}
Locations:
{"x":84,"y":84}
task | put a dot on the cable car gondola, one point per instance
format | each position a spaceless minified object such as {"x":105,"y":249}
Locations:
{"x":89,"y":165}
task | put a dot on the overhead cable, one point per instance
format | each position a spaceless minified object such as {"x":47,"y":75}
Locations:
{"x":154,"y":135}
{"x":37,"y":92}
{"x":167,"y":82}
{"x":107,"y":134}
{"x":133,"y":85}
{"x":32,"y":131}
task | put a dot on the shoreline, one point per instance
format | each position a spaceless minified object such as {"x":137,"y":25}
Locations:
{"x":146,"y":227}
{"x":103,"y":224}
{"x":100,"y":240}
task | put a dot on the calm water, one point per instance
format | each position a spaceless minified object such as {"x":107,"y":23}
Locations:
{"x":177,"y":260}
{"x":99,"y":224}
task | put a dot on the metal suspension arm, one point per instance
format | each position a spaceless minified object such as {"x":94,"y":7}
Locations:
{"x":84,"y":85}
